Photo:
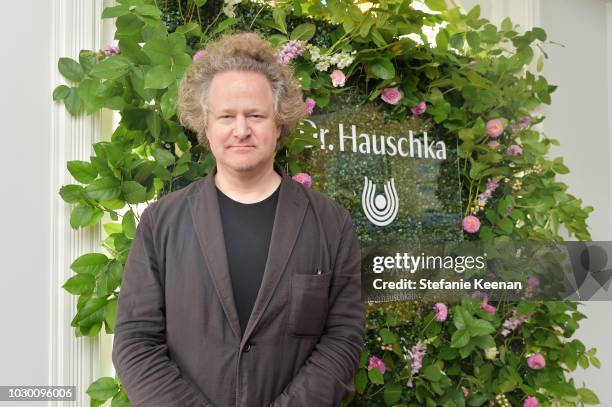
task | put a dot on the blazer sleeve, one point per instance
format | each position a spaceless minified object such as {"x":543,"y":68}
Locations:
{"x":140,"y":352}
{"x":326,"y":378}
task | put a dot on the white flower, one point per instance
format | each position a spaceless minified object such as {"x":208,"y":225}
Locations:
{"x":490,"y":353}
{"x":322,"y":65}
{"x":228,"y":7}
{"x":315,"y":52}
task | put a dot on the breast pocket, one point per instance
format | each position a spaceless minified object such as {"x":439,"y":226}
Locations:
{"x":308,"y":303}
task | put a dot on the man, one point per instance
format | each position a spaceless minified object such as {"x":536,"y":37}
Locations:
{"x":243,"y":288}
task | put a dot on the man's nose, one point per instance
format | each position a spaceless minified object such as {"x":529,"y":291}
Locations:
{"x":241,"y":127}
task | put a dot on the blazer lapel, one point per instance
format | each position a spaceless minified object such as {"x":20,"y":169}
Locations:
{"x":290,"y":212}
{"x":206,"y":217}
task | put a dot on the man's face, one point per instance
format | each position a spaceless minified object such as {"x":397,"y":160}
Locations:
{"x":241,"y":129}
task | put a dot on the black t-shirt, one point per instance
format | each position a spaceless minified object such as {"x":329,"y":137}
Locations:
{"x":247,"y":229}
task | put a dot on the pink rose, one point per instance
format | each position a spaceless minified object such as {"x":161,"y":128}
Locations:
{"x":441,"y":311}
{"x":376,"y":363}
{"x":493,"y":144}
{"x":471,"y":224}
{"x":531,"y":402}
{"x":199,"y":55}
{"x":536,"y":361}
{"x":495,"y":128}
{"x":303,"y":178}
{"x":338,"y":78}
{"x":309,"y":105}
{"x":514,"y":150}
{"x":419,"y":109}
{"x":391,"y":95}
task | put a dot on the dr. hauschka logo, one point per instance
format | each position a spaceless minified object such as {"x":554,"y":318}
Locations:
{"x":380,"y":209}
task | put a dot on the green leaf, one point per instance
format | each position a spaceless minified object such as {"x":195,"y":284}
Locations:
{"x":82,"y":171}
{"x":133,"y":51}
{"x":199,"y":3}
{"x":540,"y":63}
{"x":168,"y":101}
{"x":81,"y":215}
{"x":460,"y":338}
{"x":104,"y":189}
{"x":506,"y":225}
{"x":163,"y":157}
{"x":539,"y":33}
{"x":90,"y":313}
{"x":375,"y":376}
{"x":129,"y":224}
{"x":361,"y":381}
{"x":382,"y":68}
{"x":133,"y":192}
{"x":112,"y":68}
{"x":71,"y":193}
{"x":392,"y":393}
{"x":191,"y":29}
{"x":432,"y":373}
{"x":70,"y":69}
{"x":61,"y":92}
{"x":88,"y":92}
{"x":483,"y":341}
{"x":73,"y":102}
{"x":80,"y":284}
{"x":90,"y":263}
{"x":154,"y":124}
{"x":129,"y":26}
{"x":473,"y":40}
{"x":109,"y":278}
{"x":148,"y":10}
{"x":110,"y":315}
{"x":225,"y":24}
{"x":480,"y":327}
{"x":436,"y":5}
{"x":103,"y":388}
{"x":121,"y":400}
{"x":588,"y":396}
{"x":159,"y":77}
{"x":279,"y":18}
{"x":112,"y":12}
{"x":442,"y":39}
{"x":506,"y":24}
{"x":303,"y":32}
{"x":559,"y":167}
{"x":561,"y":389}
{"x":387,"y":336}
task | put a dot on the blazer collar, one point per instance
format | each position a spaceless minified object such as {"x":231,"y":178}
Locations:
{"x":290,"y":212}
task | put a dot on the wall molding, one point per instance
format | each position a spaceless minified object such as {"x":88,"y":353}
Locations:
{"x":76,"y":25}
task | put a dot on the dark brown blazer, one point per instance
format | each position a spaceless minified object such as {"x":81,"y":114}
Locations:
{"x":177,"y":338}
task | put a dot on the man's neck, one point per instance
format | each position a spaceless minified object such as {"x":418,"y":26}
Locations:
{"x":248,"y":187}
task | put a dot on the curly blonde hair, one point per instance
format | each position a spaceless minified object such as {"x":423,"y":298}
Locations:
{"x":241,"y":52}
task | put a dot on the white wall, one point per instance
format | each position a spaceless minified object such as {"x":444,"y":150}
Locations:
{"x":25,"y":111}
{"x":580,"y":118}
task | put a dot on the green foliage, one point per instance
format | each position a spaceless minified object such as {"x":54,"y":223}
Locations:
{"x":475,"y":72}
